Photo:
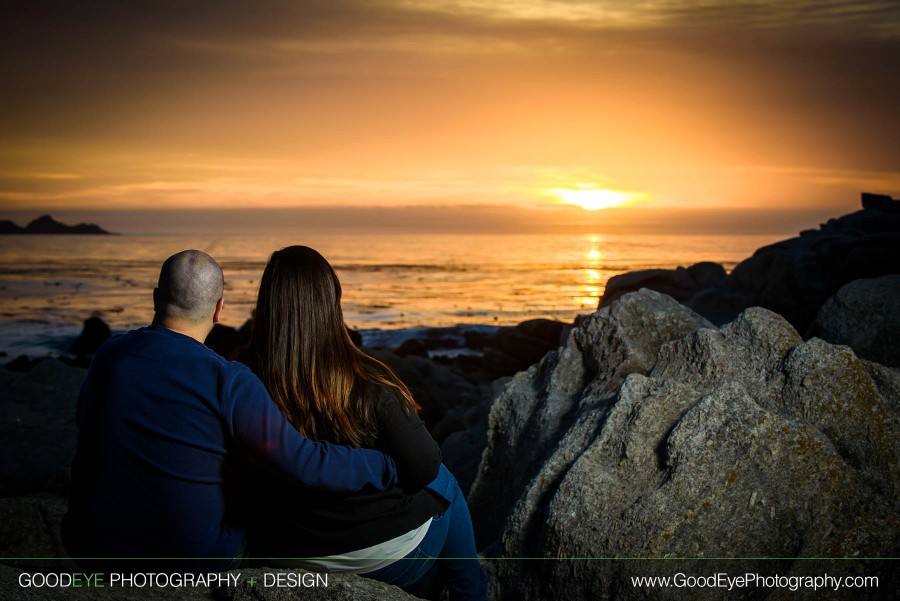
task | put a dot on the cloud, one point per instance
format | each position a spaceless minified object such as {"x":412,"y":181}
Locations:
{"x":213,"y":191}
{"x":282,"y":101}
{"x":40,"y":176}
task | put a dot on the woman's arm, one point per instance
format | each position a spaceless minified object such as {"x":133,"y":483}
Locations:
{"x":404,"y":437}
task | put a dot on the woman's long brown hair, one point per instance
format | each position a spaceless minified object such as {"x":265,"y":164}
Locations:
{"x":304,"y":354}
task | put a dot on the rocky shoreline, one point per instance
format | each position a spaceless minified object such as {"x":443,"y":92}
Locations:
{"x":793,"y":278}
{"x":696,"y":414}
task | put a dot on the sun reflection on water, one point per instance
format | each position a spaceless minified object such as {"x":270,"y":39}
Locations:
{"x":590,"y":290}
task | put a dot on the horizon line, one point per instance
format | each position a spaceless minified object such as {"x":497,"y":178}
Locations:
{"x":449,"y":219}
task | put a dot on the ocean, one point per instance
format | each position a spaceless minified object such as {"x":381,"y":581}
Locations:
{"x":50,"y":284}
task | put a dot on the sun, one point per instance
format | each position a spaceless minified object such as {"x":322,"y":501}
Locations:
{"x":592,"y":199}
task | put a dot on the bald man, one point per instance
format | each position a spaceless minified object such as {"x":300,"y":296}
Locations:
{"x":163,"y":422}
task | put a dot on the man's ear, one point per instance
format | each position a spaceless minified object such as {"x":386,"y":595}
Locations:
{"x":156,"y":300}
{"x":219,"y":304}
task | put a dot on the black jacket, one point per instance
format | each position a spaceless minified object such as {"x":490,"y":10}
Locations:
{"x":288,"y":521}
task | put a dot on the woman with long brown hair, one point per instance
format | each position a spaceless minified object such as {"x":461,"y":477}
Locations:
{"x":331,"y":390}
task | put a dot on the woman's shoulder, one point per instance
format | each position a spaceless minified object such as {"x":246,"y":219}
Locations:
{"x":382,"y":397}
{"x":404,"y":436}
{"x":387,"y":404}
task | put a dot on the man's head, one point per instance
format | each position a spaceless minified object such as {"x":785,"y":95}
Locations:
{"x":189,"y":290}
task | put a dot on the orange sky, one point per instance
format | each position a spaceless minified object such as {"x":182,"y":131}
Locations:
{"x":728,"y":107}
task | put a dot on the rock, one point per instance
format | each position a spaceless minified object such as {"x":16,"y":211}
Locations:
{"x":225,"y":340}
{"x":478,"y":353}
{"x":676,"y":283}
{"x":497,"y":363}
{"x":450,"y":372}
{"x":718,"y":304}
{"x":477,"y":339}
{"x":23,"y":363}
{"x":679,"y":283}
{"x":538,"y":406}
{"x":525,"y":349}
{"x":546,"y":330}
{"x":47,"y":225}
{"x":706,"y":273}
{"x":653,"y":434}
{"x":880,"y":202}
{"x":453,"y":421}
{"x":434,"y":339}
{"x":887,"y":380}
{"x":789,"y":278}
{"x":462,"y":450}
{"x":37,"y":427}
{"x":413,"y":346}
{"x":512,"y":349}
{"x":793,"y":277}
{"x":864,"y":315}
{"x":29,"y":528}
{"x":94,"y":333}
{"x":870,"y":257}
{"x":436,"y":387}
{"x":8,"y":227}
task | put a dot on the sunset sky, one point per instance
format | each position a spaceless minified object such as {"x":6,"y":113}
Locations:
{"x":150,"y":115}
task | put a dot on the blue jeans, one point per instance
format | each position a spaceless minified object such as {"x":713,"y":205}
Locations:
{"x":445,"y":557}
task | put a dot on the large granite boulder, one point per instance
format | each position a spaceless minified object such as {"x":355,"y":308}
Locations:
{"x":864,"y":315}
{"x":654,"y":434}
{"x":539,"y":406}
{"x":37,"y":427}
{"x":793,"y":277}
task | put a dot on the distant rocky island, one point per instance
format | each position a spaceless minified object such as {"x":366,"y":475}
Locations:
{"x":46,"y":224}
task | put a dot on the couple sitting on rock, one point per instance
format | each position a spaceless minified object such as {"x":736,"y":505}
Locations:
{"x":185,"y":462}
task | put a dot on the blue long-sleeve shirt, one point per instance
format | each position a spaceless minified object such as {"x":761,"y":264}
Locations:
{"x":162,"y":421}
